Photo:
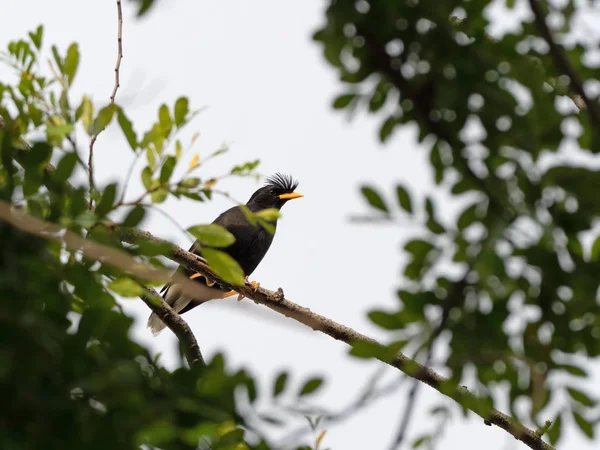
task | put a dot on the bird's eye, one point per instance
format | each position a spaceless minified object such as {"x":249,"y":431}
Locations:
{"x":272,"y":192}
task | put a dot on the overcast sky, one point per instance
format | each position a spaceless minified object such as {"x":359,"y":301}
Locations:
{"x":268,"y":91}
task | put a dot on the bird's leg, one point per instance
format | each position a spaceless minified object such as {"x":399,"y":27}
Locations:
{"x":208,"y":282}
{"x":255,"y":284}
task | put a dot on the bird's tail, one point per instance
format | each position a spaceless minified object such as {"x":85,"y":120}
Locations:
{"x":155,"y":324}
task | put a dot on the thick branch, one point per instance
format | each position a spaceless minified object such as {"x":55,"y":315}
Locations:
{"x":564,"y":65}
{"x":120,"y":259}
{"x":277,"y":302}
{"x":176,"y":324}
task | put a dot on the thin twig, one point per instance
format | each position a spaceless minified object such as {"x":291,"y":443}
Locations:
{"x":112,"y":99}
{"x":563,"y":64}
{"x":119,"y":50}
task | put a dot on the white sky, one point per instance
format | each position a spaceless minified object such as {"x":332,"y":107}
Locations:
{"x":268,"y":90}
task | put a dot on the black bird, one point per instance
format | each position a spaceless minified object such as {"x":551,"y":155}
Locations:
{"x":251,"y":245}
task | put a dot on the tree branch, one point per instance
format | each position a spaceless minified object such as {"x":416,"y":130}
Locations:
{"x":564,"y":65}
{"x":112,"y":99}
{"x":274,"y":300}
{"x":176,"y":324}
{"x":277,"y":302}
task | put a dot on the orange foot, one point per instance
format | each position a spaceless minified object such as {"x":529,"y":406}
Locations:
{"x":255,"y":286}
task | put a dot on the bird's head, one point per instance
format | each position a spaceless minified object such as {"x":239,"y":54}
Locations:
{"x":276,"y":192}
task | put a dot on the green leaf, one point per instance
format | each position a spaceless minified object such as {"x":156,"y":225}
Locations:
{"x":554,"y":431}
{"x":151,"y":157}
{"x":181,"y":111}
{"x":387,"y":127}
{"x":86,"y":112}
{"x":159,"y":195}
{"x":36,"y":37}
{"x":365,"y":349}
{"x":421,"y":441}
{"x":269,"y":214}
{"x":71,"y":63}
{"x":190,"y":183}
{"x":343,"y":101}
{"x":310,"y":386}
{"x":584,"y":425}
{"x":65,"y":168}
{"x":57,"y":133}
{"x":103,"y":118}
{"x":468,"y":216}
{"x":433,"y":225}
{"x":147,"y":178}
{"x":280,"y":383}
{"x":573,"y":370}
{"x":167,"y":169}
{"x":385,"y":320}
{"x":374,"y":198}
{"x":108,"y":199}
{"x":57,"y":59}
{"x":126,"y":287}
{"x":134,"y":216}
{"x":224,"y":266}
{"x":164,"y":119}
{"x":86,"y":219}
{"x":127,"y":128}
{"x":212,"y":235}
{"x":404,"y":199}
{"x":581,"y":397}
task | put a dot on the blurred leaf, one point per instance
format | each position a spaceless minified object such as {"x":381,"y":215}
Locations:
{"x":126,"y":287}
{"x":555,"y":430}
{"x":159,"y":195}
{"x":167,"y":169}
{"x":269,"y":214}
{"x":404,"y":199}
{"x":165,"y":119}
{"x":280,"y":383}
{"x":374,"y":198}
{"x":134,"y":216}
{"x":224,"y":266}
{"x":127,"y":128}
{"x":581,"y":397}
{"x":86,"y":112}
{"x":65,"y":168}
{"x":385,"y":320}
{"x":103,"y":118}
{"x":343,"y":101}
{"x":108,"y":199}
{"x":147,"y":178}
{"x":181,"y":111}
{"x":71,"y":63}
{"x":310,"y":386}
{"x":212,"y":235}
{"x":585,"y":426}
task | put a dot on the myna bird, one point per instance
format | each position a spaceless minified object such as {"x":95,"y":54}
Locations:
{"x":252,"y":242}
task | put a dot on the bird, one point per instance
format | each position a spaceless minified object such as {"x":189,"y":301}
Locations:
{"x":252,"y":242}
